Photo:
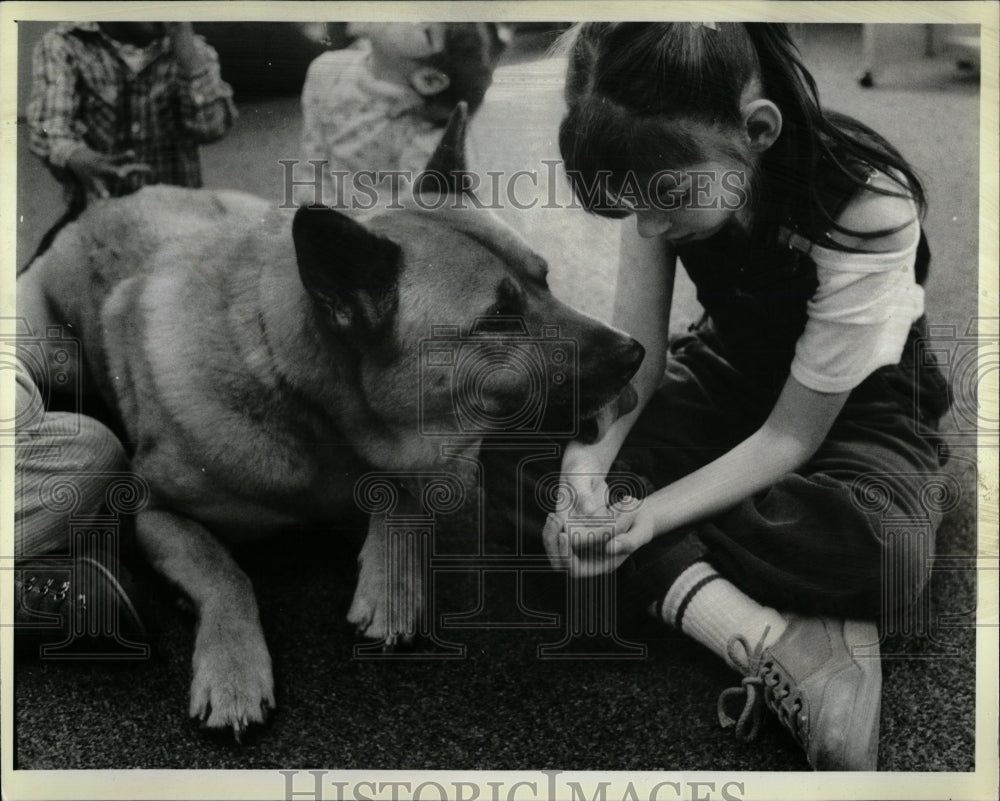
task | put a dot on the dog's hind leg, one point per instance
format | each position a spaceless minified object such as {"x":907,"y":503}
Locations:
{"x":232,"y":685}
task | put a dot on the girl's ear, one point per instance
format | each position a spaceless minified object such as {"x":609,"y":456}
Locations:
{"x":762,"y":124}
{"x":428,"y":81}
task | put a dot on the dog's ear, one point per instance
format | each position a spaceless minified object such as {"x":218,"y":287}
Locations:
{"x":447,"y":172}
{"x":347,"y":268}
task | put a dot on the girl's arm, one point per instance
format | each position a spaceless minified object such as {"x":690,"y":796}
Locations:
{"x":642,"y":309}
{"x":802,"y":416}
{"x":789,"y":437}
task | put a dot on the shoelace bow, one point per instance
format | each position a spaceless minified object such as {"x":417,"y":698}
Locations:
{"x":747,"y":725}
{"x":761,"y":687}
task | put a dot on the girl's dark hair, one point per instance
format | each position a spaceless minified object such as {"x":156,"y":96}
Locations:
{"x":641,"y":97}
{"x":471,"y":51}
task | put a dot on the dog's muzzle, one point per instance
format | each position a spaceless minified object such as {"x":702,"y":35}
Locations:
{"x":593,"y":429}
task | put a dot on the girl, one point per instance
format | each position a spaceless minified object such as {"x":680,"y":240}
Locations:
{"x":795,"y":396}
{"x":383,"y":105}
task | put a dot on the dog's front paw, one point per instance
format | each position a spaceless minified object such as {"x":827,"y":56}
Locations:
{"x":232,"y":686}
{"x":386,"y":610}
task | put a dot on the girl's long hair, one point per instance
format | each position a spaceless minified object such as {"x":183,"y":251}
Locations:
{"x":642,"y":97}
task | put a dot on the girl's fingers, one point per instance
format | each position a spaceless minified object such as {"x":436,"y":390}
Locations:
{"x":588,"y":568}
{"x":619,"y":546}
{"x":564,"y":554}
{"x":555,"y":540}
{"x":624,"y":544}
{"x":588,"y":555}
{"x":586,"y":540}
{"x":625,"y":520}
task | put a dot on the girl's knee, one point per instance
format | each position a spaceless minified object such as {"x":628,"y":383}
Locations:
{"x":837,"y":555}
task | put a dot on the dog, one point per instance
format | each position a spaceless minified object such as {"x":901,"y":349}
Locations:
{"x":260,"y":362}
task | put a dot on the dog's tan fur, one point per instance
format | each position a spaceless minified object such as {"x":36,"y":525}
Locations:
{"x":255,"y":389}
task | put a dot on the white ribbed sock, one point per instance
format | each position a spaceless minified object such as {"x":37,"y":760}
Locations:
{"x":706,"y":607}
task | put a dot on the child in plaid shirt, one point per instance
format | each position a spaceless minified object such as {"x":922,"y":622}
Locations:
{"x":117,"y":105}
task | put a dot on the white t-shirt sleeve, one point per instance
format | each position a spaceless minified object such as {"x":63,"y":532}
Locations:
{"x":859,"y":317}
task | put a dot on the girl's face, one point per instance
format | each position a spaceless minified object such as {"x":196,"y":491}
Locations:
{"x":689,"y":204}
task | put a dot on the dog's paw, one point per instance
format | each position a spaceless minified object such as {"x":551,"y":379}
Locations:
{"x":232,"y":686}
{"x":388,"y":614}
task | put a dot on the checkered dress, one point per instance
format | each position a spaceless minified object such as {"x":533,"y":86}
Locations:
{"x":89,"y":89}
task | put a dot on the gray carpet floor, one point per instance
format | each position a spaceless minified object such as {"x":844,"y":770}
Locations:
{"x":502,"y":705}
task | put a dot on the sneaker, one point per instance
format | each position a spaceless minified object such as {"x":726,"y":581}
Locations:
{"x":40,"y":596}
{"x":50,"y":611}
{"x":823,"y":679}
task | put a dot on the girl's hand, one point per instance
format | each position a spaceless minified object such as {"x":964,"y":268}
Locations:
{"x":632,"y":530}
{"x":598,"y":544}
{"x":581,"y":495}
{"x":582,"y":553}
{"x":580,"y":498}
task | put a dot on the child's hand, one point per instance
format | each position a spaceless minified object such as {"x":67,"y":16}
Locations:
{"x":182,"y":42}
{"x":598,"y":544}
{"x":581,"y":504}
{"x":94,"y":169}
{"x":633,"y":529}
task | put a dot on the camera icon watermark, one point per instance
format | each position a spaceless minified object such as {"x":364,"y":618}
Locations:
{"x":51,"y":359}
{"x":968,"y":358}
{"x":498,"y":379}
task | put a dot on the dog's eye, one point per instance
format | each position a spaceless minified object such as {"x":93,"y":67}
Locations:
{"x":509,"y":302}
{"x":503,"y":310}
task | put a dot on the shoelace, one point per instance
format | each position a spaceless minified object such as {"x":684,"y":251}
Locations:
{"x":747,"y":725}
{"x":49,"y":587}
{"x":761,"y":686}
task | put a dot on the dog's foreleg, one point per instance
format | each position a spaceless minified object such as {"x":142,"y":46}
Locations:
{"x":389,"y":599}
{"x":232,"y":685}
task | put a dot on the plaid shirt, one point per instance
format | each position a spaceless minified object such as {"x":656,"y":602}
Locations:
{"x":85,"y":92}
